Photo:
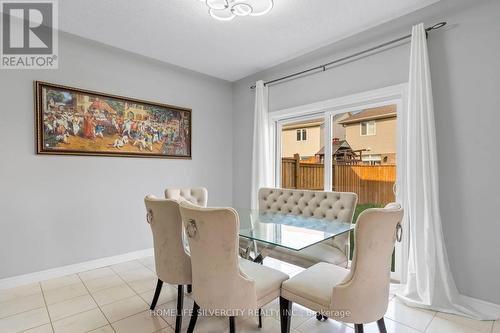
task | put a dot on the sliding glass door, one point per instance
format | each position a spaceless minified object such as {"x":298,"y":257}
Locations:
{"x":345,"y":150}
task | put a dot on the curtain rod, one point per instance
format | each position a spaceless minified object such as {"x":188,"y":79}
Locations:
{"x":357,"y":54}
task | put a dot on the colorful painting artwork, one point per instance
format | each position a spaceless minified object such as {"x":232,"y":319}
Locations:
{"x":80,"y":122}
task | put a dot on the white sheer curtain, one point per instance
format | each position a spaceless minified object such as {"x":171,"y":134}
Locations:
{"x":262,"y":159}
{"x":429,"y":280}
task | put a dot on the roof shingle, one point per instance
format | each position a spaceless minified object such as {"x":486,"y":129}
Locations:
{"x":388,"y":111}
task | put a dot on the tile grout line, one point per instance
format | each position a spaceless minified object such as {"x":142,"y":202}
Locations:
{"x":39,"y":307}
{"x":69,"y":299}
{"x":128,"y":285}
{"x":46,"y":306}
{"x":106,"y":276}
{"x":92,"y":330}
{"x":136,"y":294}
{"x":32,"y":328}
{"x":72,"y":284}
{"x":430,"y":321}
{"x":408,"y":326}
{"x":186,"y":295}
{"x":24,"y":311}
{"x":21,"y":312}
{"x":128,"y":315}
{"x":169,"y":285}
{"x":92,"y":296}
{"x":23,"y":296}
{"x":81,"y":313}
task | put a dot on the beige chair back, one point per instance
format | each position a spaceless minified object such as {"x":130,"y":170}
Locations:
{"x":320,"y":204}
{"x":365,"y":291}
{"x":173,"y":264}
{"x":218,"y":283}
{"x":195,"y":195}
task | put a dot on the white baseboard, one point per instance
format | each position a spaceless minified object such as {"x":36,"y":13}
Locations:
{"x":481,"y":304}
{"x":18,"y":280}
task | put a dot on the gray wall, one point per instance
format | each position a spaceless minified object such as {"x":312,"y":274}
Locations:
{"x":466,"y":77}
{"x":60,"y":210}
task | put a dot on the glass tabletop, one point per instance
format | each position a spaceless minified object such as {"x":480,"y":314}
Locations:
{"x":289,"y":231}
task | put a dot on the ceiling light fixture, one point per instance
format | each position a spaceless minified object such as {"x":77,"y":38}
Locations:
{"x":226,"y":10}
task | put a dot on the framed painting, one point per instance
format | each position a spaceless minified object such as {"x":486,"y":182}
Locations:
{"x":71,"y":121}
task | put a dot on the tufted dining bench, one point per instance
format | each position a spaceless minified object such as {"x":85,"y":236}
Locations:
{"x":320,"y":204}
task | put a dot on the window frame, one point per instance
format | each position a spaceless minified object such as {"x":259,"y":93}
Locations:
{"x":367,"y":122}
{"x":301,"y":134}
{"x":396,"y":94}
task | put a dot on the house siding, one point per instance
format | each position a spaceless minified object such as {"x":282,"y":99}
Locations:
{"x":382,"y":143}
{"x":309,"y":147}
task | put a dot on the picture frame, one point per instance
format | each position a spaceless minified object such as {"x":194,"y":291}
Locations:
{"x":74,"y":121}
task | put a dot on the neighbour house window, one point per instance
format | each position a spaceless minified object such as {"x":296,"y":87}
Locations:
{"x":301,"y":135}
{"x":368,"y":128}
{"x":371,"y":159}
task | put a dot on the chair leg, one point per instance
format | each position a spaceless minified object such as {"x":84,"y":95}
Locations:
{"x":159,"y":284}
{"x":194,"y":317}
{"x":180,"y":302}
{"x":320,"y":317}
{"x":260,"y":318}
{"x":381,"y":325}
{"x":232,"y":326}
{"x":358,"y":328}
{"x":189,"y":289}
{"x":285,"y":314}
{"x":259,"y":259}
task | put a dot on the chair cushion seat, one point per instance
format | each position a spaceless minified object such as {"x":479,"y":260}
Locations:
{"x":313,"y":287}
{"x":267,"y":280}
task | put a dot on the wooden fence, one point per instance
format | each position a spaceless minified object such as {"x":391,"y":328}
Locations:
{"x":295,"y":174}
{"x":372,"y":183}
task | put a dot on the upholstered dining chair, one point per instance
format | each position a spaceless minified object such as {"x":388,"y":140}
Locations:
{"x":172,"y":263}
{"x":222,"y":281}
{"x":195,"y":195}
{"x":359,"y":295}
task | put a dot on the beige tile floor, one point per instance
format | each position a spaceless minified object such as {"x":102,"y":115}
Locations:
{"x":117,"y":298}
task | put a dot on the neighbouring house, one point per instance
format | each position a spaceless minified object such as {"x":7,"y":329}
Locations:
{"x":374,"y":132}
{"x":304,"y":138}
{"x":307,"y":138}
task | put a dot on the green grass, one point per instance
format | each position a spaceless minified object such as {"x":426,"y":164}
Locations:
{"x":359,"y":209}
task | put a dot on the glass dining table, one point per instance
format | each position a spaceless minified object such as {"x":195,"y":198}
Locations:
{"x":292,"y":232}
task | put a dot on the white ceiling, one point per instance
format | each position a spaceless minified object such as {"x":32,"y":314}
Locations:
{"x":182,"y":33}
